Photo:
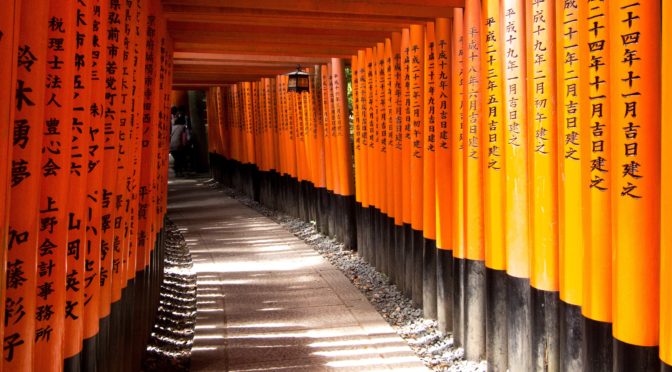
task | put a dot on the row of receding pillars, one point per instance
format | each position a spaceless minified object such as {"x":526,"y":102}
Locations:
{"x":83,"y":173}
{"x":512,"y":174}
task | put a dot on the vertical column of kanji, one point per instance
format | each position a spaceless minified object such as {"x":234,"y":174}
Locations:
{"x":257,"y":127}
{"x":387,"y":185}
{"x":666,"y":198}
{"x":318,"y":140}
{"x":428,"y":175}
{"x":139,"y":80}
{"x":326,"y":120}
{"x":362,"y":84}
{"x":249,"y":122}
{"x":137,"y":332}
{"x":595,"y":127}
{"x":543,"y":182}
{"x":457,"y":174}
{"x":357,"y":144}
{"x":493,"y":185}
{"x":94,"y":183}
{"x":112,"y":117}
{"x":406,"y":160}
{"x":334,"y":227}
{"x":275,"y":130}
{"x":344,"y":149}
{"x":124,"y":184}
{"x":416,"y":71}
{"x":443,"y":188}
{"x":571,"y":56}
{"x":474,"y":322}
{"x":395,"y":146}
{"x":516,"y":218}
{"x":9,"y":34}
{"x":381,"y":164}
{"x":77,"y":223}
{"x":22,"y":238}
{"x":635,"y":38}
{"x":52,"y":308}
{"x":150,"y":140}
{"x":390,"y":109}
{"x":372,"y":159}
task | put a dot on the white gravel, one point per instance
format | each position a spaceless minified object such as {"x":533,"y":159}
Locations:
{"x":432,"y":346}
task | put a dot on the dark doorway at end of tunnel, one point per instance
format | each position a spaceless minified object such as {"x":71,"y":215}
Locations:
{"x":192,"y":103}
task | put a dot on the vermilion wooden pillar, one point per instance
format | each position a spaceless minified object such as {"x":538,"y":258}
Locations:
{"x":22,"y":242}
{"x":53,"y":246}
{"x":635,"y":35}
{"x":78,"y":168}
{"x":9,"y":29}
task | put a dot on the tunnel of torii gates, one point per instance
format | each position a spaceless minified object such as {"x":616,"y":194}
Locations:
{"x":506,"y":165}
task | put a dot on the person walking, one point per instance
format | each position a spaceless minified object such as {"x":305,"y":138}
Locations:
{"x":178,"y":144}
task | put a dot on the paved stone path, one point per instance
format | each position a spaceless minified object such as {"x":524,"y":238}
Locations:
{"x":268,"y":302}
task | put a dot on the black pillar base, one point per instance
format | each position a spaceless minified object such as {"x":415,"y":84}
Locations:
{"x":103,"y":346}
{"x":374,"y":250}
{"x":89,"y":352}
{"x":399,"y":257}
{"x":73,"y":363}
{"x":429,"y":305}
{"x":571,"y":337}
{"x":474,"y":310}
{"x":496,"y":332}
{"x":633,"y":358}
{"x":519,"y":320}
{"x":418,"y":249}
{"x":546,"y":330}
{"x":458,"y":300}
{"x":598,"y":351}
{"x":664,"y":367}
{"x":444,"y":289}
{"x":346,"y":208}
{"x":408,"y":260}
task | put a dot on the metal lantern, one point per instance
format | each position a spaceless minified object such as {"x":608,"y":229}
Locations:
{"x":298,"y":81}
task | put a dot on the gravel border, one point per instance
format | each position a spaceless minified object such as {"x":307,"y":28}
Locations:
{"x":169,"y":347}
{"x":431,"y":345}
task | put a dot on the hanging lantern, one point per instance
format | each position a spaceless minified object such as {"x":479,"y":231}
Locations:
{"x":298,"y":81}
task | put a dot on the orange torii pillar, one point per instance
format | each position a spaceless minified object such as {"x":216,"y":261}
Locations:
{"x":457,"y":174}
{"x":416,"y":71}
{"x":345,"y":197}
{"x":572,"y":57}
{"x":395,"y":146}
{"x":406,"y":162}
{"x":493,"y":185}
{"x":94,"y":187}
{"x":78,"y":167}
{"x":330,"y":175}
{"x":541,"y":77}
{"x":377,"y":167}
{"x":443,"y":101}
{"x":428,"y":179}
{"x":361,"y":151}
{"x":596,"y":132}
{"x":112,"y":116}
{"x":474,"y":264}
{"x":384,"y":74}
{"x":22,"y":241}
{"x":317,"y":134}
{"x":8,"y":51}
{"x":635,"y":37}
{"x":390,"y":110}
{"x":516,"y":211}
{"x":52,"y":306}
{"x":666,"y":199}
{"x":356,"y":60}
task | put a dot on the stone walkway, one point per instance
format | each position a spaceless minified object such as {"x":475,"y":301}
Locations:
{"x":267,"y":301}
